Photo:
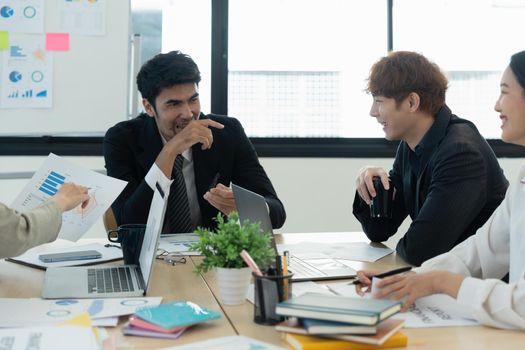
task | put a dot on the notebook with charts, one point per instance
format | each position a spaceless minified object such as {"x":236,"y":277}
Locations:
{"x":252,"y":206}
{"x":111,"y":281}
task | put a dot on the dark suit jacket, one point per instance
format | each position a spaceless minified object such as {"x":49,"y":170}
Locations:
{"x":131,"y":147}
{"x":449,"y":186}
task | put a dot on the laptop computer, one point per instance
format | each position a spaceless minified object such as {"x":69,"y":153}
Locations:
{"x":111,"y":281}
{"x":252,"y":206}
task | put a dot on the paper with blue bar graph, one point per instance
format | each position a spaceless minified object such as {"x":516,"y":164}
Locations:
{"x":48,"y":179}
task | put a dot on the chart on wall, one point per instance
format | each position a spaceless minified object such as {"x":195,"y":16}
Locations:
{"x":27,"y":73}
{"x":65,"y":66}
{"x":22,"y":16}
{"x":86,"y":17}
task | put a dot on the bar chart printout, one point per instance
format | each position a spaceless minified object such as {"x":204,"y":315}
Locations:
{"x":48,"y":180}
{"x":52,"y":183}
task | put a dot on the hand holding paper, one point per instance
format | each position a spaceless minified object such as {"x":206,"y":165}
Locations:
{"x":51,"y":178}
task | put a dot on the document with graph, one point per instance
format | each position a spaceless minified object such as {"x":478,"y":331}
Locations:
{"x":48,"y":179}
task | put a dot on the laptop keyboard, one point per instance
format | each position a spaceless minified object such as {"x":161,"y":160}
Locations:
{"x":110,"y":280}
{"x":303,"y":269}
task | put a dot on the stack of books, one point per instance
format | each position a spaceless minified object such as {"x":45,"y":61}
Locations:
{"x":167,"y":320}
{"x":321,"y":321}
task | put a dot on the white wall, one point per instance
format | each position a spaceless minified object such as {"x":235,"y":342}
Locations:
{"x":317,"y":192}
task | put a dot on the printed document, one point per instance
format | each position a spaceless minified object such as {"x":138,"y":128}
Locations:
{"x":237,"y":342}
{"x":438,"y":310}
{"x":179,"y":243}
{"x":359,"y":251}
{"x":38,"y":312}
{"x":48,"y":338}
{"x":48,"y":179}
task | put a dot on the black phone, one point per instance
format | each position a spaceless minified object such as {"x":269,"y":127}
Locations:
{"x":68,"y":256}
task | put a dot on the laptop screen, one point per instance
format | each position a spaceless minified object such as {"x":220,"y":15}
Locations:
{"x":252,"y":206}
{"x":152,"y":234}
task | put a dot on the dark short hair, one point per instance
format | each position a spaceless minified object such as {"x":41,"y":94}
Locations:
{"x":517,"y":65}
{"x":165,"y":70}
{"x":403,"y":72}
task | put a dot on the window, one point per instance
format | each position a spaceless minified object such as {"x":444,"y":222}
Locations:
{"x":184,"y":25}
{"x":298,"y":68}
{"x":471,"y":40}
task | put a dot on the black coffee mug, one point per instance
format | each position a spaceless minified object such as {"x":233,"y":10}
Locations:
{"x":130,"y":237}
{"x":381,"y":205}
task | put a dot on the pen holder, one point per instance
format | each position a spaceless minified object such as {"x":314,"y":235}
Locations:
{"x":268,"y":292}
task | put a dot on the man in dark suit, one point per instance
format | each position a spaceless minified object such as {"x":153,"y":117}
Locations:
{"x":445,"y":175}
{"x":195,"y":156}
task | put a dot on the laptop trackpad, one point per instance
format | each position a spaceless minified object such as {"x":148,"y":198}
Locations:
{"x":64,"y":282}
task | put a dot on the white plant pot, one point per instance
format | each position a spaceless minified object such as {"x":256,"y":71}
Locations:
{"x":233,"y":284}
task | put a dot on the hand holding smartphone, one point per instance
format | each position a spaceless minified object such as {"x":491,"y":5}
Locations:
{"x":68,"y":256}
{"x":214,"y":181}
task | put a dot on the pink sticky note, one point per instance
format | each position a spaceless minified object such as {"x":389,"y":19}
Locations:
{"x":57,"y":41}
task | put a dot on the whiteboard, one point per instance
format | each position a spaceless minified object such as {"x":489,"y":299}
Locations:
{"x":91,"y":81}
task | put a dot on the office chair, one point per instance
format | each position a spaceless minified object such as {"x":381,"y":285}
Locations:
{"x":110,"y":223}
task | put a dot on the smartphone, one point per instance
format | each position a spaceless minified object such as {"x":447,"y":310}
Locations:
{"x":214,"y":181}
{"x":68,"y":256}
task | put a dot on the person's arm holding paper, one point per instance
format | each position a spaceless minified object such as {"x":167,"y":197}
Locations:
{"x":21,"y":231}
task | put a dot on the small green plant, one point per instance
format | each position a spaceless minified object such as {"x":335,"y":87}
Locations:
{"x":222,"y":248}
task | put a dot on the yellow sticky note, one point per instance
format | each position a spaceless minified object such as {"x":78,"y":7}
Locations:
{"x":4,"y":40}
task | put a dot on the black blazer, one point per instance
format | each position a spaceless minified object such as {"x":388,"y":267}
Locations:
{"x":131,"y":147}
{"x":449,"y":189}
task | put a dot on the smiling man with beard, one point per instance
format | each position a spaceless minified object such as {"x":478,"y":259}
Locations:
{"x":445,"y":175}
{"x":193,"y":155}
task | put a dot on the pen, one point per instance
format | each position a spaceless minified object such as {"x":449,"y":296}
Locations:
{"x":251,"y":264}
{"x":285,"y":274}
{"x":278,"y":265}
{"x":387,"y":273}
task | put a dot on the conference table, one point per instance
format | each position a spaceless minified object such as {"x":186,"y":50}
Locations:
{"x":180,"y":282}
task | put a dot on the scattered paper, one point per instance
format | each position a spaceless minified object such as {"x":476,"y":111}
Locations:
{"x":31,"y":256}
{"x":39,"y":312}
{"x":359,"y":251}
{"x":343,"y":288}
{"x":105,"y":322}
{"x":237,"y":342}
{"x":178,"y":243}
{"x":438,"y":310}
{"x":48,"y":179}
{"x":298,"y":288}
{"x":48,"y":338}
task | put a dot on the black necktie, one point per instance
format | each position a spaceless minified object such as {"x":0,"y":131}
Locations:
{"x":178,"y":211}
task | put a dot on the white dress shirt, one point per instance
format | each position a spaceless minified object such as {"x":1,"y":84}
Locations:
{"x":497,"y":247}
{"x":155,"y":175}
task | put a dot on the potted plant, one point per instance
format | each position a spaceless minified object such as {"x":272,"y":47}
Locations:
{"x":221,"y":250}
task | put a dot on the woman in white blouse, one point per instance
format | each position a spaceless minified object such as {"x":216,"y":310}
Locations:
{"x":472,"y":271}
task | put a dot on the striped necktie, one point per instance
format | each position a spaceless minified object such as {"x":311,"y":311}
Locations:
{"x":178,"y":210}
